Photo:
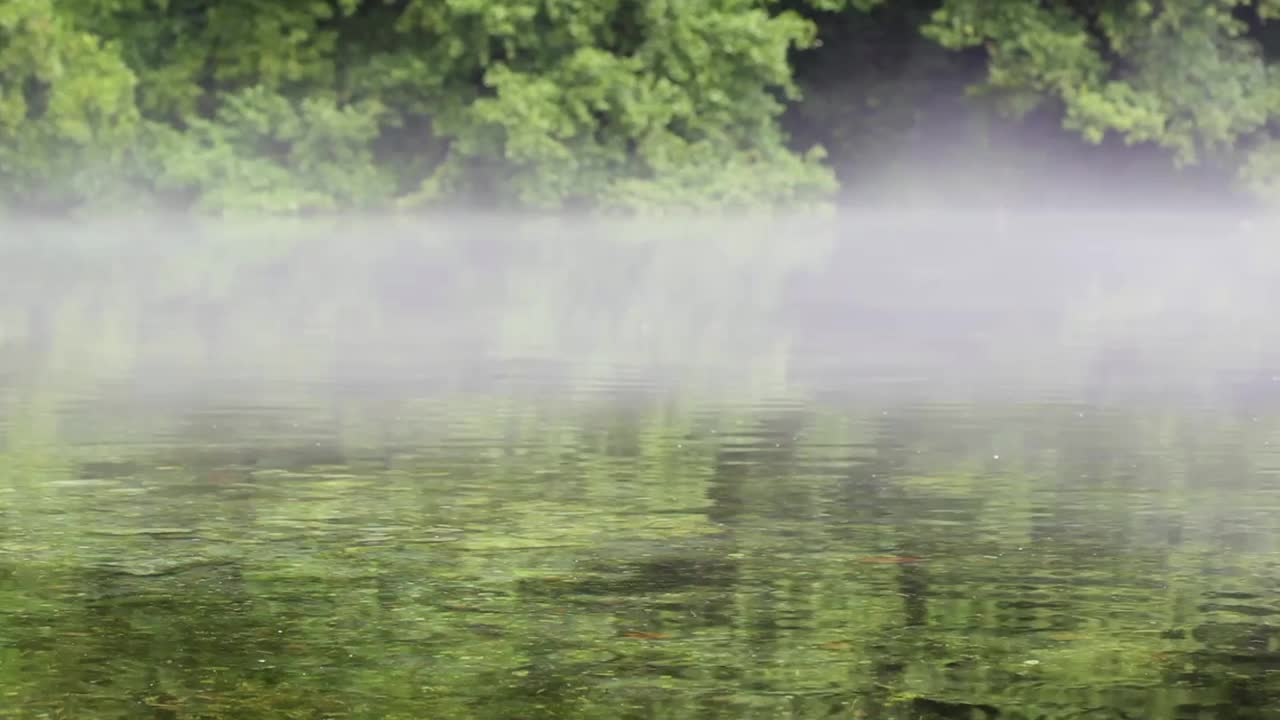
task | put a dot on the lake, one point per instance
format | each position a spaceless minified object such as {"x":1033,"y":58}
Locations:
{"x":928,"y":469}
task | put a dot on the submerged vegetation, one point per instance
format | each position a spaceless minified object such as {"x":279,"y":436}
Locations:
{"x":313,"y":105}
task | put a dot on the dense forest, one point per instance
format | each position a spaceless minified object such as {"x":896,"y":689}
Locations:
{"x":317,"y":105}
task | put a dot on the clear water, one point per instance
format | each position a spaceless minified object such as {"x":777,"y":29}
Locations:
{"x":496,"y":471}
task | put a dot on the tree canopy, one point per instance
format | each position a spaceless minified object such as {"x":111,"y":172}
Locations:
{"x":316,"y":105}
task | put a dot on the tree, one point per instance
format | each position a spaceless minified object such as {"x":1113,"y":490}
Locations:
{"x":66,"y":106}
{"x":317,"y":105}
{"x":617,"y":102}
{"x":1187,"y":75}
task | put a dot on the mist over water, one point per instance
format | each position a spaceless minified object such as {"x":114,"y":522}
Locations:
{"x":882,"y":466}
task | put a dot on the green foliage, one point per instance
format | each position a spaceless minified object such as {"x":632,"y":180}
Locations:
{"x":66,"y":104}
{"x":1184,"y":74}
{"x":265,"y":152}
{"x":592,"y":103}
{"x":307,"y":105}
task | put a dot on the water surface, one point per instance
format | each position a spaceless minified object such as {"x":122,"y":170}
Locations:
{"x":885,"y":470}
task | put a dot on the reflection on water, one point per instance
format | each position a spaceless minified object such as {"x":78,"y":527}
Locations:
{"x":638,"y":473}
